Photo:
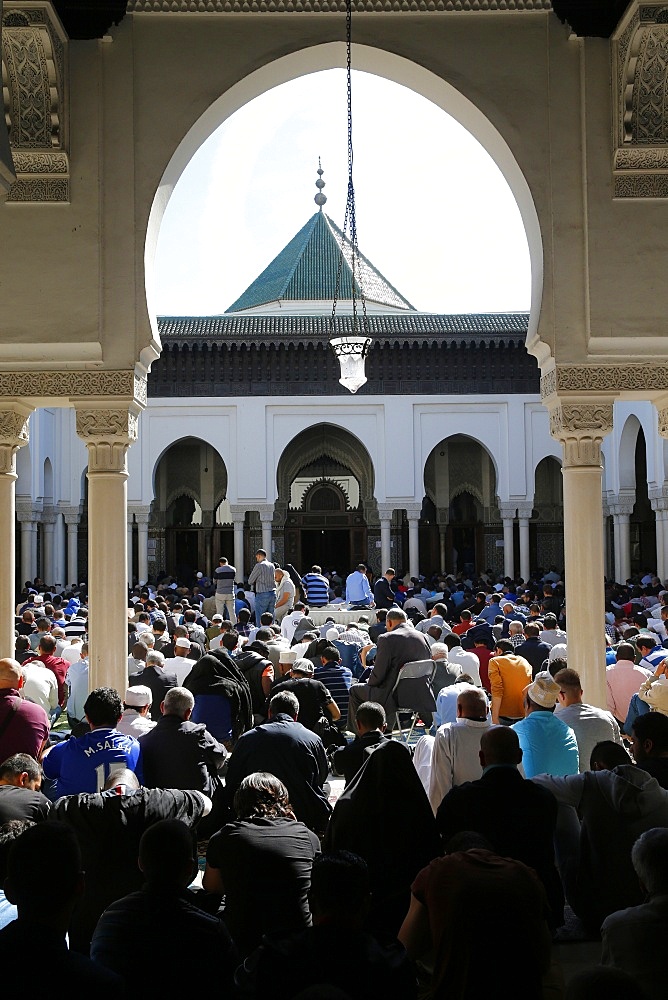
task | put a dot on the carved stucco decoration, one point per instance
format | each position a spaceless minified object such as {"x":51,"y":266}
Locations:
{"x":604,"y":378}
{"x":640,"y":60}
{"x":581,"y":427}
{"x":70,"y":384}
{"x":107,"y":434}
{"x":34,"y":84}
{"x":663,"y":423}
{"x":13,"y":435}
{"x":329,"y":6}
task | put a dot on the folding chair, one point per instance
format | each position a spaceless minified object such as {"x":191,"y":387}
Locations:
{"x":413,"y":694}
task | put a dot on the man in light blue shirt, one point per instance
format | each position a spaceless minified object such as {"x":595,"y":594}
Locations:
{"x":358,"y":591}
{"x":548,"y":745}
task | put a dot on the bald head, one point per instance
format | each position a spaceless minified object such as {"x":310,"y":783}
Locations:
{"x":10,"y":674}
{"x":500,"y":745}
{"x":121,"y":777}
{"x":472,"y":704}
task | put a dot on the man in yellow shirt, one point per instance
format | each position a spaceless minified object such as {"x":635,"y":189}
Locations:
{"x":509,"y":675}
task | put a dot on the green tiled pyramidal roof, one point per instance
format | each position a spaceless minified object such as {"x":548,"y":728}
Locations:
{"x":306,"y":269}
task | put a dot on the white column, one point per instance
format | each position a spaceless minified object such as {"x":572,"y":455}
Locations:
{"x":26,"y":516}
{"x":266,"y":512}
{"x":606,"y":539}
{"x":385,"y":512}
{"x":48,"y":560}
{"x":72,"y":517}
{"x":524,"y":512}
{"x":581,"y":426}
{"x":130,"y":522}
{"x":659,"y":503}
{"x":13,"y":435}
{"x":238,"y":519}
{"x":413,"y":515}
{"x":142,"y":517}
{"x":107,"y":434}
{"x":59,"y":549}
{"x":621,"y":509}
{"x":508,"y":511}
{"x":660,"y":544}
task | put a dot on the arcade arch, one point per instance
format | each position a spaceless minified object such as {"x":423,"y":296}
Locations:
{"x":460,"y":482}
{"x":326,"y":512}
{"x":186,"y":533}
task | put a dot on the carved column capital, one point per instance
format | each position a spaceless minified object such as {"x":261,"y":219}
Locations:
{"x":28,"y":512}
{"x":141,"y":512}
{"x":663,"y":422}
{"x":621,"y":504}
{"x":580,"y":426}
{"x":238,"y":513}
{"x":48,"y":517}
{"x":266,"y":512}
{"x":413,"y":511}
{"x":13,"y":435}
{"x":507,"y":510}
{"x":107,"y":434}
{"x":385,"y":511}
{"x":525,"y":510}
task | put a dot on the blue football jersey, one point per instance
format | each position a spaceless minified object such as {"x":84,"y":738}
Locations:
{"x":84,"y":764}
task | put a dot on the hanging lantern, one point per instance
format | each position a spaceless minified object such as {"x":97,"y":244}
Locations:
{"x":350,"y":347}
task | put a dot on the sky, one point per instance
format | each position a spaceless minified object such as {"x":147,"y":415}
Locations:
{"x":434,"y":213}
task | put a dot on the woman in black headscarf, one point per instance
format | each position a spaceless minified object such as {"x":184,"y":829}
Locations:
{"x":222,"y":696}
{"x":384,"y":816}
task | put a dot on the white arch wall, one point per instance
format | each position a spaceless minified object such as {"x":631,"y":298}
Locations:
{"x":619,"y":447}
{"x":398,"y":432}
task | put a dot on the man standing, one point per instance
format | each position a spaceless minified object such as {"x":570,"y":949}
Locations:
{"x":509,"y":674}
{"x":358,"y":591}
{"x":285,"y":595}
{"x":384,"y":590}
{"x":224,"y":577}
{"x":590,"y":725}
{"x":399,"y":645}
{"x":263,"y":579}
{"x":455,"y":755}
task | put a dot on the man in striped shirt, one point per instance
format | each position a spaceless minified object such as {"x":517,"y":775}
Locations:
{"x":337,"y":679}
{"x":316,"y":587}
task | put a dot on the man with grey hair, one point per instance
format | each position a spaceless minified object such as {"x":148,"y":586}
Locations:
{"x":292,"y":753}
{"x":456,"y":752}
{"x":155,"y":677}
{"x":634,"y":939}
{"x":179,"y":753}
{"x":400,"y":644}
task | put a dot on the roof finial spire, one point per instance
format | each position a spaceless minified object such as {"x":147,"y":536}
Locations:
{"x":320,"y":198}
